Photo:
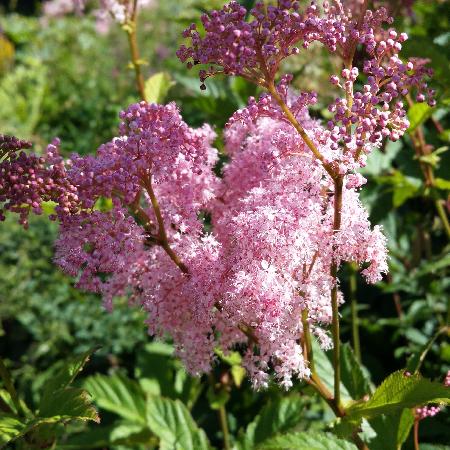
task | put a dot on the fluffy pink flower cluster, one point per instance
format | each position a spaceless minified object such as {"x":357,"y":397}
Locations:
{"x":269,"y":255}
{"x":265,"y":269}
{"x":275,"y":225}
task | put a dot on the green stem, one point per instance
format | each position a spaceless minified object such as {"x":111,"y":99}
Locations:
{"x":443,"y":216}
{"x":354,"y":313}
{"x":9,"y":386}
{"x":308,"y":342}
{"x":224,"y":426}
{"x":134,"y":50}
{"x":338,"y":188}
{"x":429,"y":345}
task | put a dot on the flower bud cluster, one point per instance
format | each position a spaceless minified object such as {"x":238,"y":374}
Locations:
{"x":427,"y":411}
{"x":12,"y":144}
{"x":431,"y":410}
{"x":28,"y":180}
{"x":372,"y":107}
{"x":365,"y":116}
{"x":253,"y":49}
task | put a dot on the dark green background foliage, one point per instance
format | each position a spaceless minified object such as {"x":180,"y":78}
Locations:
{"x":63,"y":79}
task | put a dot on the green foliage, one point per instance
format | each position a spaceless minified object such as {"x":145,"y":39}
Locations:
{"x":392,"y":430}
{"x":418,"y":114}
{"x":118,"y":395}
{"x":278,"y":416}
{"x":60,"y":403}
{"x":171,"y":422}
{"x":157,"y":87}
{"x":399,"y":391}
{"x":307,"y":441}
{"x":354,"y":377}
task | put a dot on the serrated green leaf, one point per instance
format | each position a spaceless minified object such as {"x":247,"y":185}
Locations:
{"x":119,"y":395}
{"x":325,"y":371}
{"x":157,"y":87}
{"x":397,"y":392}
{"x":10,"y":428}
{"x":392,"y":430}
{"x":418,"y":114}
{"x":306,"y":441}
{"x":127,"y":433}
{"x":404,"y":426}
{"x":278,"y":416}
{"x":442,"y":184}
{"x":238,"y":373}
{"x":344,"y":428}
{"x":67,"y":374}
{"x":171,"y":421}
{"x":352,"y":375}
{"x":68,"y":403}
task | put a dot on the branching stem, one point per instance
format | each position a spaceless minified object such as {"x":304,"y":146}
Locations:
{"x":162,"y":235}
{"x":338,"y":180}
{"x":295,"y":123}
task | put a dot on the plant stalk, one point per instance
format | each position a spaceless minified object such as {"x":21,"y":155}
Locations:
{"x":338,"y":190}
{"x":134,"y":50}
{"x":288,"y":113}
{"x":224,"y":426}
{"x":354,"y":313}
{"x":334,"y":402}
{"x":416,"y":435}
{"x":308,"y":342}
{"x":162,"y":235}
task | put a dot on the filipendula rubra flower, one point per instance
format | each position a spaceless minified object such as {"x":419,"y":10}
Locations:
{"x":269,"y":255}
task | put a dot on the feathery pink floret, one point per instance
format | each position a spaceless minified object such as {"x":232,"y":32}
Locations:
{"x":272,"y":245}
{"x":155,"y":145}
{"x":274,"y":219}
{"x":100,"y":247}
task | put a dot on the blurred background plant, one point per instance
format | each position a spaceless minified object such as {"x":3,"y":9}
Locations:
{"x":67,"y":74}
